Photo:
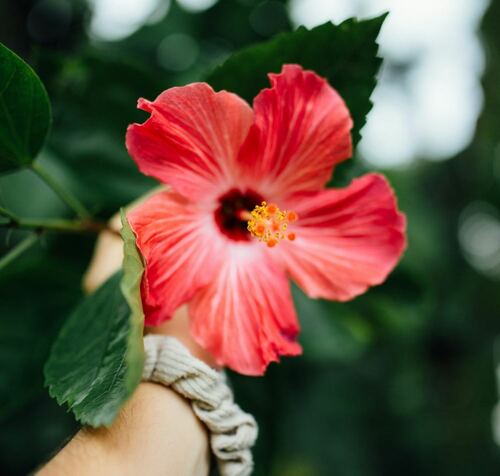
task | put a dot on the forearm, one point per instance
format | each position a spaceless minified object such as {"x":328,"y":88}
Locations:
{"x":156,"y":433}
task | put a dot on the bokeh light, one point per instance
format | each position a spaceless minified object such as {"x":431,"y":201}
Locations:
{"x":177,"y":52}
{"x":479,"y":236}
{"x":196,"y":6}
{"x":116,"y":19}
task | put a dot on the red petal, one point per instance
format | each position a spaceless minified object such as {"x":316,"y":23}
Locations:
{"x":245,"y":317}
{"x":181,"y":247}
{"x":191,"y":139}
{"x":301,"y":130}
{"x":346,"y":240}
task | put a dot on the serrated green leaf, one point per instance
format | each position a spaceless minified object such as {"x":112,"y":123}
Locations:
{"x":25,"y":114}
{"x":345,"y":54}
{"x":97,"y":359}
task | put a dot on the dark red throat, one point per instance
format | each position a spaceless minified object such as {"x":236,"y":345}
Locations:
{"x":227,"y":213}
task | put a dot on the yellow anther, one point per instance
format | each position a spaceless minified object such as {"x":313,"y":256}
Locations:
{"x":268,"y":223}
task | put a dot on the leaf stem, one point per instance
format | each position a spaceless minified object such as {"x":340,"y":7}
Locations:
{"x":72,"y":226}
{"x":63,"y":194}
{"x":19,"y":249}
{"x":41,"y":225}
{"x":6,"y":213}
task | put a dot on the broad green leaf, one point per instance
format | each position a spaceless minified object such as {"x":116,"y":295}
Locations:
{"x":345,"y":54}
{"x":25,"y":114}
{"x":97,"y":359}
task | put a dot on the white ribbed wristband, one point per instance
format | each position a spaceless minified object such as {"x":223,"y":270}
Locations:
{"x":232,"y":431}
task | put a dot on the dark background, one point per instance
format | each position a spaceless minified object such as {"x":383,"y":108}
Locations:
{"x":399,"y":381}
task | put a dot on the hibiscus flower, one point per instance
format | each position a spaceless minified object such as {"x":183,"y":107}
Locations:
{"x":247,"y":207}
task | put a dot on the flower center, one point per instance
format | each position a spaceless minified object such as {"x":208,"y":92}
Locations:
{"x":270,"y":224}
{"x":266,"y":222}
{"x":228,"y":216}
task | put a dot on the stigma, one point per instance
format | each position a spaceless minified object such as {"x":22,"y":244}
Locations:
{"x":269,"y":224}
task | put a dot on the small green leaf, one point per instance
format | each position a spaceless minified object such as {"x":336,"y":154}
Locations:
{"x":345,"y":54}
{"x":25,"y":114}
{"x":97,"y":359}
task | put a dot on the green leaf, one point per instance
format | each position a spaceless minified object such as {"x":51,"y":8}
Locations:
{"x":131,"y":289}
{"x":25,"y":115}
{"x":345,"y":54}
{"x":97,"y":359}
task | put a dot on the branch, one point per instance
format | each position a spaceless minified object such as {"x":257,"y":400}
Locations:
{"x":63,"y":194}
{"x":19,"y":249}
{"x":41,"y":225}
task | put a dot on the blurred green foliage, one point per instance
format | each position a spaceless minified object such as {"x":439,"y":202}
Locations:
{"x":399,"y":381}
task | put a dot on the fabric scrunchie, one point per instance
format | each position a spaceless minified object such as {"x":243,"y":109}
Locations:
{"x":232,"y":431}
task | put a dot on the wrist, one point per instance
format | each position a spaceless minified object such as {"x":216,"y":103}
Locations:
{"x":156,"y":433}
{"x":232,"y":431}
